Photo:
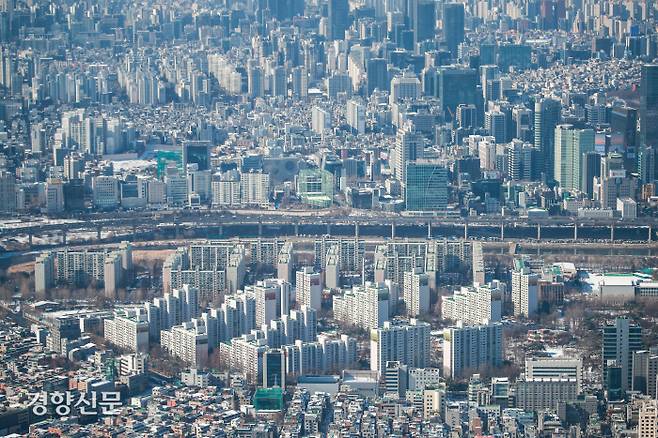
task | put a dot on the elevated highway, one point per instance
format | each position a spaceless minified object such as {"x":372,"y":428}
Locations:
{"x":254,"y":223}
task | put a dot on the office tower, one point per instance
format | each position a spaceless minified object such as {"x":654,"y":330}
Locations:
{"x":356,"y":116}
{"x":500,"y":391}
{"x":405,"y":86}
{"x":519,"y":160}
{"x":338,"y":83}
{"x":514,"y":55}
{"x":255,"y":81}
{"x":396,"y":378}
{"x":552,"y":368}
{"x":115,"y":138}
{"x":176,"y":187}
{"x":547,"y":117}
{"x":570,"y":145}
{"x":476,"y":305}
{"x":467,"y":116}
{"x":7,"y":192}
{"x":453,"y":26}
{"x":496,"y":125}
{"x":614,"y":182}
{"x":612,"y":381}
{"x":423,"y":19}
{"x":426,"y":187}
{"x":620,"y":340}
{"x":196,"y":152}
{"x":54,"y":191}
{"x":416,"y":292}
{"x":7,"y":66}
{"x":338,"y":19}
{"x":106,"y":192}
{"x":488,"y":75}
{"x":279,"y":82}
{"x":38,"y":139}
{"x":315,"y":187}
{"x":274,"y":368}
{"x":377,"y":75}
{"x":623,"y":120}
{"x":542,"y":393}
{"x":309,"y":288}
{"x":645,"y":371}
{"x":365,"y":306}
{"x":523,"y":123}
{"x":457,"y":85}
{"x":467,"y":349}
{"x":647,"y":426}
{"x":408,"y":343}
{"x":649,"y":106}
{"x":524,"y":290}
{"x":408,"y":148}
{"x":300,"y":82}
{"x":590,"y":163}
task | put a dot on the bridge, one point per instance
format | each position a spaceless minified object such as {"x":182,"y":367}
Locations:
{"x":254,"y":223}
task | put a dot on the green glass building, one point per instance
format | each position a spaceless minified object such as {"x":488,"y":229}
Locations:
{"x":426,"y":187}
{"x":165,"y":157}
{"x":570,"y":145}
{"x":315,"y":187}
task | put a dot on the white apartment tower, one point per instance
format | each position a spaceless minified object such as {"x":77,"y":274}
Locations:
{"x":416,"y":292}
{"x":408,"y":343}
{"x":309,"y":288}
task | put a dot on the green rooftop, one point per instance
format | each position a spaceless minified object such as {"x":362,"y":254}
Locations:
{"x":268,"y":399}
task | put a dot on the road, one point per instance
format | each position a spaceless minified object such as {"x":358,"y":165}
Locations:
{"x":335,"y":222}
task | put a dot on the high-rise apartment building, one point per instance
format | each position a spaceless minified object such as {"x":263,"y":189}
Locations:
{"x":188,"y":341}
{"x":416,"y":292}
{"x":365,"y":306}
{"x":476,"y":305}
{"x":129,"y":330}
{"x":309,"y":288}
{"x":525,"y":291}
{"x":408,"y":343}
{"x":468,"y":349}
